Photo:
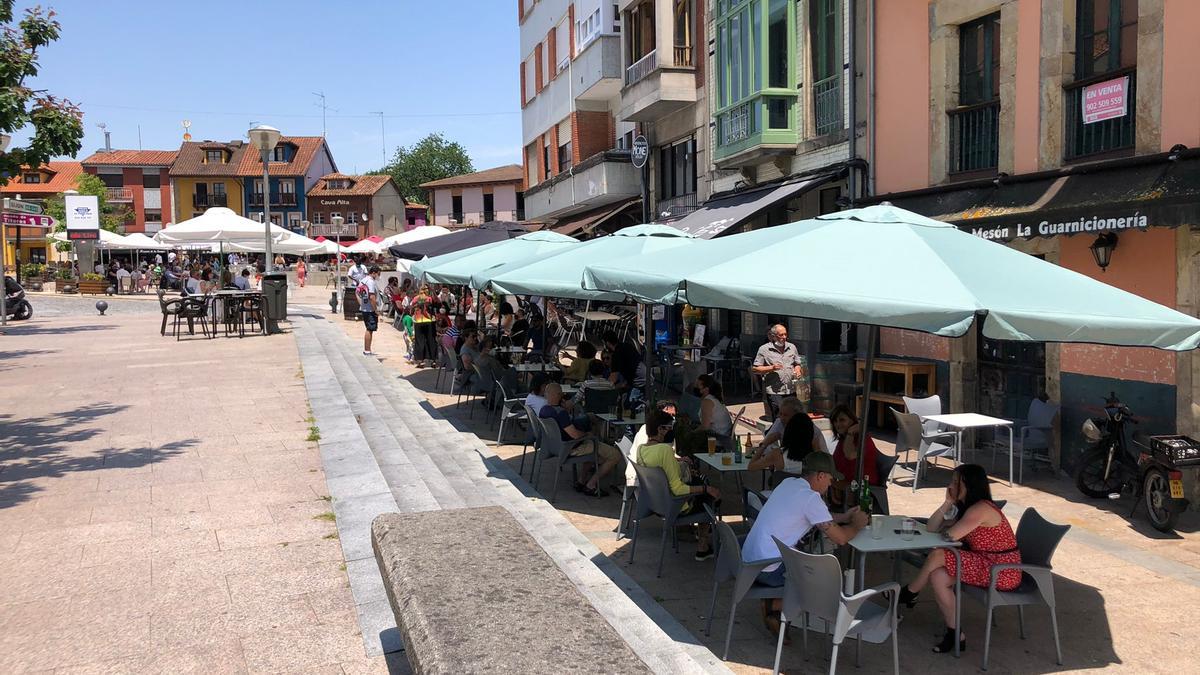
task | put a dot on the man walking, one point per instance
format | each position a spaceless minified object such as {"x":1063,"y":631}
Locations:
{"x":780,"y":365}
{"x":368,"y":305}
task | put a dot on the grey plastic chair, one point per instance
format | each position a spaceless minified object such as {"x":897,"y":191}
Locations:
{"x":535,"y":434}
{"x":484,"y":386}
{"x":1037,"y":538}
{"x":553,"y":446}
{"x":600,"y":400}
{"x":924,"y":407}
{"x":813,"y":589}
{"x":731,"y":566}
{"x":625,"y":445}
{"x":914,"y":436}
{"x":654,"y":498}
{"x":1034,"y":435}
{"x":512,"y":409}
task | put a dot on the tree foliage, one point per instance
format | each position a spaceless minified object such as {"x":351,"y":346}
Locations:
{"x":57,"y":123}
{"x":112,"y":216}
{"x":431,"y":158}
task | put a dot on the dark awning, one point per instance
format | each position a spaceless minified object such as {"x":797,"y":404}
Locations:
{"x":590,"y":220}
{"x":724,"y":213}
{"x":1089,"y":199}
{"x":492,"y":231}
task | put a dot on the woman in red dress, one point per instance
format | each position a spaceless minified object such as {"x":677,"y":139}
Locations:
{"x":967,"y":515}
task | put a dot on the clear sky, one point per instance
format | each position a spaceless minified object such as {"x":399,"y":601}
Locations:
{"x":444,"y":65}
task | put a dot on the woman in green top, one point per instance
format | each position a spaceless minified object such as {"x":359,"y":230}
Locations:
{"x":659,"y":452}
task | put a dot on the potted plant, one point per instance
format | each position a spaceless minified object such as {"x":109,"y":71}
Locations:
{"x":64,"y":281}
{"x":31,"y":276}
{"x":93,"y":284}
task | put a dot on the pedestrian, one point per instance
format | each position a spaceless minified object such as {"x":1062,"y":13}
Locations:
{"x":425,"y":330}
{"x":301,"y":272}
{"x":780,"y":365}
{"x":368,"y":306}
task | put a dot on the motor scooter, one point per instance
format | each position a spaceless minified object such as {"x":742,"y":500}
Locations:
{"x":16,"y":306}
{"x":1149,"y":467}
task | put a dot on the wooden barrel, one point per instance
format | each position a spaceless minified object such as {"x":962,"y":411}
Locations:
{"x":830,"y":370}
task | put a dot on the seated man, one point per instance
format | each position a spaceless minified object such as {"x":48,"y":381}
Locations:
{"x":596,"y":379}
{"x":795,"y":507}
{"x":242,"y":281}
{"x":469,"y":355}
{"x":574,"y":428}
{"x":659,"y":452}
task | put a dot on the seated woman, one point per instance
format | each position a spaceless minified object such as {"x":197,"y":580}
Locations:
{"x":969,"y":515}
{"x":715,"y":420}
{"x":845,"y":455}
{"x":799,"y":436}
{"x":585,"y":353}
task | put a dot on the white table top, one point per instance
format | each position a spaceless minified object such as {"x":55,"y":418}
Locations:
{"x":637,"y":420}
{"x":536,"y":367}
{"x":968,"y":420}
{"x":891,"y":541}
{"x":714,"y":460}
{"x":597,"y":315}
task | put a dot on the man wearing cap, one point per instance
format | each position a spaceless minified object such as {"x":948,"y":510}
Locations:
{"x":795,"y":507}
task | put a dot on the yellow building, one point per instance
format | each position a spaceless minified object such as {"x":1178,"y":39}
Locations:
{"x":36,"y":185}
{"x":205,"y":175}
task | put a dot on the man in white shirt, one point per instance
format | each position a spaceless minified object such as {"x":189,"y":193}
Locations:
{"x":369,"y":308}
{"x":357,"y":272}
{"x":171,"y":258}
{"x":795,"y":507}
{"x":158,"y":259}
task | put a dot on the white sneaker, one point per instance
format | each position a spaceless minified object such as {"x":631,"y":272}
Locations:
{"x":367,"y":353}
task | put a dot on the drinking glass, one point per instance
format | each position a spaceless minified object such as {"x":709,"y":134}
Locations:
{"x":878,"y":525}
{"x":908,"y":529}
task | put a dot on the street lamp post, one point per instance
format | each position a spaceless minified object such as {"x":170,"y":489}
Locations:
{"x":337,"y":222}
{"x":265,"y":138}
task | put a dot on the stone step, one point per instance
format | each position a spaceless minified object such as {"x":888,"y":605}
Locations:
{"x":414,"y":480}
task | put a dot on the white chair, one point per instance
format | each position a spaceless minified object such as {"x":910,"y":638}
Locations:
{"x":924,"y":407}
{"x":913,"y":436}
{"x":1034,"y":434}
{"x":629,"y":450}
{"x":813,"y":590}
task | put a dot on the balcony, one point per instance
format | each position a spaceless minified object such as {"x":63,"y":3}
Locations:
{"x":653,"y":90}
{"x":604,"y":178}
{"x":758,"y":127}
{"x":118,"y":194}
{"x":975,"y":137}
{"x":1107,"y":136}
{"x":277,"y":199}
{"x":207,"y":201}
{"x":597,"y":69}
{"x":827,"y":105}
{"x":330,"y":231}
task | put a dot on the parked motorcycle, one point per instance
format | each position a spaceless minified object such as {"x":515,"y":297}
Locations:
{"x":15,"y":304}
{"x":1149,"y":468}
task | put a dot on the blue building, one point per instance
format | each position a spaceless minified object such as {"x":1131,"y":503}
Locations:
{"x":295,"y":166}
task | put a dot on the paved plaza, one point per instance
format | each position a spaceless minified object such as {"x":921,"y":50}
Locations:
{"x":162,"y":509}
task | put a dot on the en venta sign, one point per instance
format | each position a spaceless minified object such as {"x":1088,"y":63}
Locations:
{"x":1047,"y":228}
{"x":1106,"y":100}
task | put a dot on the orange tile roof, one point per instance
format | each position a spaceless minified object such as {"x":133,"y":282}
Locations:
{"x":415,"y":205}
{"x":511,"y":173}
{"x":307,"y":148}
{"x":360,"y":185}
{"x":190,"y":159}
{"x":132,"y":158}
{"x":62,"y":177}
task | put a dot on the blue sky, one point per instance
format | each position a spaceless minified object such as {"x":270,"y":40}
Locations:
{"x":448,"y":66}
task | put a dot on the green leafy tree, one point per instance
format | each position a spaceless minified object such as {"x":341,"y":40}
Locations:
{"x":431,"y":158}
{"x":112,"y":216}
{"x":57,"y":123}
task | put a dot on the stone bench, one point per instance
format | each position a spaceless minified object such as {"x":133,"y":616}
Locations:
{"x":473,"y":592}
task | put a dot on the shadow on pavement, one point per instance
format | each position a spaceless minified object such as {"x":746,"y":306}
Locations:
{"x":35,"y":448}
{"x":32,"y":329}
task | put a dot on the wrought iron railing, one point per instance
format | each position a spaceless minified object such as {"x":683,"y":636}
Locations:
{"x":1105,"y":136}
{"x":975,"y":137}
{"x":277,"y":199}
{"x":202,"y":201}
{"x":118,"y":194}
{"x":641,"y":68}
{"x":827,"y":105}
{"x":736,"y":124}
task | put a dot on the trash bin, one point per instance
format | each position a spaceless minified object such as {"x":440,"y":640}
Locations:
{"x":350,"y":304}
{"x":274,"y":289}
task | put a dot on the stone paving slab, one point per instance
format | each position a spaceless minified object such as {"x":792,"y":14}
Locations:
{"x":162,"y":518}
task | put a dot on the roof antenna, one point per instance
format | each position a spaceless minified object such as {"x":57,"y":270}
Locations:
{"x":187,"y":134}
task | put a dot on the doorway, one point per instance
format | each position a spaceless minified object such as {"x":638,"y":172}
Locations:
{"x":1011,"y":375}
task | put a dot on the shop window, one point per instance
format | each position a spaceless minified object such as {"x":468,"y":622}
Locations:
{"x":1106,"y":35}
{"x":151,"y":180}
{"x":564,"y":156}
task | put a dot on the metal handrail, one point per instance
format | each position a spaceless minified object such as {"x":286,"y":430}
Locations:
{"x":642,"y":67}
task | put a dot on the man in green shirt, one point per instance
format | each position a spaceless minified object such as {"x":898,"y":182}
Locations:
{"x":659,"y":452}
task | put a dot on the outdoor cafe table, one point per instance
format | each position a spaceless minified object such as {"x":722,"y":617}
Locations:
{"x":610,"y":419}
{"x":713,"y":462}
{"x":524,"y":369}
{"x":597,"y":315}
{"x":962,"y":421}
{"x":892,"y":542}
{"x":226,"y":295}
